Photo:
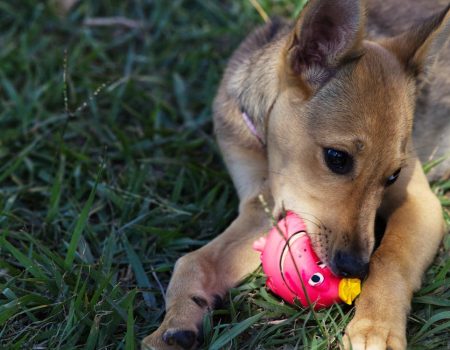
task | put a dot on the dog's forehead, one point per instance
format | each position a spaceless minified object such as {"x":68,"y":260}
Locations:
{"x":370,"y":99}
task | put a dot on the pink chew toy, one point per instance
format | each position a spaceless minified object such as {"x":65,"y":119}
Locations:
{"x":289,"y":261}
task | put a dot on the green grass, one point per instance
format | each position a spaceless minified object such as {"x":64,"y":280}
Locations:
{"x":101,"y":192}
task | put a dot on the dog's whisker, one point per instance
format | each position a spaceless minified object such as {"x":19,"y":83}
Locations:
{"x":314,"y":233}
{"x":312,"y":222}
{"x":280,"y":173}
{"x":319,"y":224}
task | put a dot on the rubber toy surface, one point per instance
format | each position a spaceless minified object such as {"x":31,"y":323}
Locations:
{"x":293,"y":268}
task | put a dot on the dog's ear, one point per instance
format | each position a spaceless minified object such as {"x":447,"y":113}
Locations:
{"x":416,"y":47}
{"x":327,"y":33}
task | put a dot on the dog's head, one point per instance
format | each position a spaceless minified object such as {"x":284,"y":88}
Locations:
{"x":339,"y":130}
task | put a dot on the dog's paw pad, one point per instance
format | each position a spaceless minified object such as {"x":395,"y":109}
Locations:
{"x":183,"y":338}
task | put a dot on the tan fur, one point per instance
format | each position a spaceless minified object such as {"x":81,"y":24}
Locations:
{"x":431,"y":126}
{"x":360,"y":99}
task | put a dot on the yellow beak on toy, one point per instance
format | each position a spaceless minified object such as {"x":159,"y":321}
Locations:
{"x":349,"y":289}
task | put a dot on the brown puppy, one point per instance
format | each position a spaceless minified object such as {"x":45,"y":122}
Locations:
{"x":334,"y":113}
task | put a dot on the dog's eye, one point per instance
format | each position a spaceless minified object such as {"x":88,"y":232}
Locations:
{"x":391,"y":179}
{"x":339,"y":162}
{"x":316,"y":279}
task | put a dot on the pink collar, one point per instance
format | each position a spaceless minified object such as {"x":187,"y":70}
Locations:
{"x":251,"y":126}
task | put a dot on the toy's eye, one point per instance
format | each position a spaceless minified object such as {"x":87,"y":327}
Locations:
{"x":316,"y":279}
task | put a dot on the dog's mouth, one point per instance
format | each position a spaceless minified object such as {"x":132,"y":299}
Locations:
{"x":318,"y":234}
{"x":320,"y":246}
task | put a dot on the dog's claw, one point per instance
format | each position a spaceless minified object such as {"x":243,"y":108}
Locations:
{"x":183,"y":338}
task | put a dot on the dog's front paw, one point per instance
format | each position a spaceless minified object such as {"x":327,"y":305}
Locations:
{"x":170,"y":339}
{"x":374,"y":334}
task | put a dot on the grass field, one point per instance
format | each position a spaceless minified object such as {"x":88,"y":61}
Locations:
{"x":109,"y":172}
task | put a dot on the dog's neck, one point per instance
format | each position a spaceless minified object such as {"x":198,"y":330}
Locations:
{"x":251,"y":126}
{"x":254,"y":83}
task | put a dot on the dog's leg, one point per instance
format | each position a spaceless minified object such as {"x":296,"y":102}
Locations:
{"x":413,"y":233}
{"x":203,"y":276}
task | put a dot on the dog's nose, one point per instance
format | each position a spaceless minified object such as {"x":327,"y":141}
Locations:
{"x":346,"y":264}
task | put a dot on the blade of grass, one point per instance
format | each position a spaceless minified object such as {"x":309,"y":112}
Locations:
{"x":445,"y":315}
{"x":228,"y":336}
{"x":55,"y":194}
{"x":141,"y":276}
{"x":129,"y":336}
{"x":81,"y":222}
{"x":92,"y":338}
{"x":22,"y":258}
